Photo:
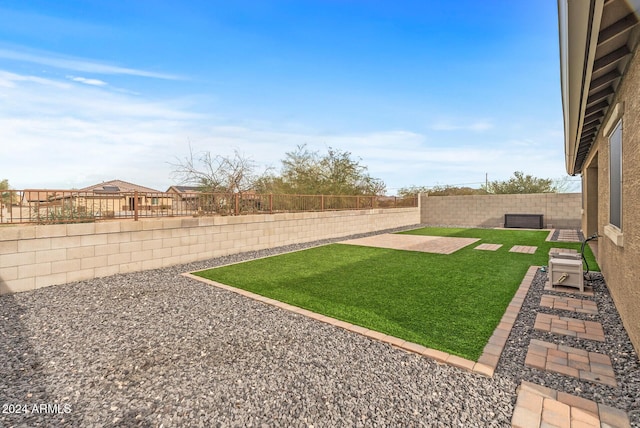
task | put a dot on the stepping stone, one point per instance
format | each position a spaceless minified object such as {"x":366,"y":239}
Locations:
{"x":581,"y":306}
{"x":488,"y":247}
{"x":523,"y":249}
{"x":590,"y":330}
{"x":568,"y":361}
{"x":538,"y":406}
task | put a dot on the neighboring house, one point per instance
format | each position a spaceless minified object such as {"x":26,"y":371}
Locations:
{"x":106,"y":199}
{"x":183,"y":190}
{"x":186,"y":197}
{"x":600,"y":75}
{"x":33,"y":196}
{"x":118,"y":195}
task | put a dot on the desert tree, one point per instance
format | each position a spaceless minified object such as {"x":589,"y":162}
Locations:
{"x":216,"y":173}
{"x":521,"y":183}
{"x":566,"y":185}
{"x":440,"y":190}
{"x":304,"y":171}
{"x":6,"y":196}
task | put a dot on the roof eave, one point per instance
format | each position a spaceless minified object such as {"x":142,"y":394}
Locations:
{"x":578,"y":26}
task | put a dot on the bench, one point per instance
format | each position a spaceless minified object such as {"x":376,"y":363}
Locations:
{"x":528,"y":221}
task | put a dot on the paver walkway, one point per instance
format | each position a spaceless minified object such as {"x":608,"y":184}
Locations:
{"x":538,"y":406}
{"x":591,"y":330}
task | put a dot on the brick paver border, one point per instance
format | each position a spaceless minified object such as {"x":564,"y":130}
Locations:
{"x":590,"y":330}
{"x":578,"y":363}
{"x":485,"y":365}
{"x":581,"y":306}
{"x":538,"y":406}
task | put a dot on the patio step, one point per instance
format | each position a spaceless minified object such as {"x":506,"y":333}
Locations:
{"x":539,"y":406}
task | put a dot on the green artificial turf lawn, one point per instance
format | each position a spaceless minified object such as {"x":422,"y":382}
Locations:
{"x":451,"y":302}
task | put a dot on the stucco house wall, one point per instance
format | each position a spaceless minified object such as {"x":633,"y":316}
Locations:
{"x":618,"y":254}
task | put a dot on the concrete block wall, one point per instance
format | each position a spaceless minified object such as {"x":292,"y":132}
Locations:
{"x":35,"y":256}
{"x":560,"y":210}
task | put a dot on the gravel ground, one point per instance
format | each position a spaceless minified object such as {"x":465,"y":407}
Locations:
{"x":157,"y":349}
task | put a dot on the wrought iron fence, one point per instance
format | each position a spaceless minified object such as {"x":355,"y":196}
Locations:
{"x":73,"y":206}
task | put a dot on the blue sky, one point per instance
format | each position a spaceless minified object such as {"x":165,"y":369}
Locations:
{"x":423,"y":92}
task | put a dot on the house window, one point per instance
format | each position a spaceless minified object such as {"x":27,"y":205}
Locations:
{"x":615,"y":176}
{"x":154,"y":201}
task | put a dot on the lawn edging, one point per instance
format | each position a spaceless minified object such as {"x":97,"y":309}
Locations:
{"x":485,"y":365}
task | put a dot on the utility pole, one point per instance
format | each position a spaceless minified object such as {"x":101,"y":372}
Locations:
{"x":486,"y":180}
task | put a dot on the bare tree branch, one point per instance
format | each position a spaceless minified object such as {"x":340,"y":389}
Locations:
{"x":216,"y":173}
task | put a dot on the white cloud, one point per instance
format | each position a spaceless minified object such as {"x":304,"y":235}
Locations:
{"x":86,"y":81}
{"x":60,"y":133}
{"x":8,"y":80}
{"x":78,"y":64}
{"x":64,"y":135}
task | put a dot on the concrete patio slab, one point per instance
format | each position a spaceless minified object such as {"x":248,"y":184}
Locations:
{"x":426,"y":244}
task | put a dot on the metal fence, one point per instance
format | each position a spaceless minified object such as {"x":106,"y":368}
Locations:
{"x":72,"y":206}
